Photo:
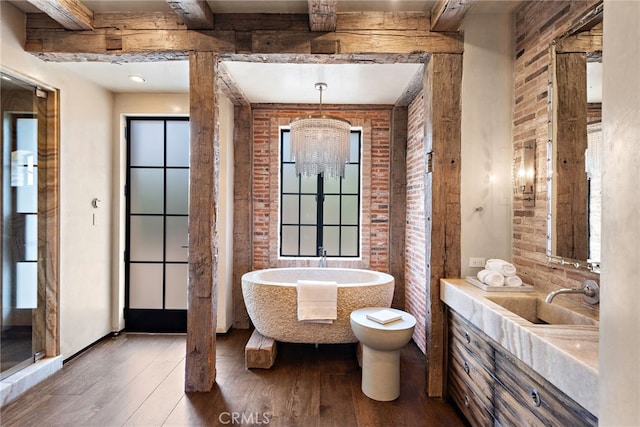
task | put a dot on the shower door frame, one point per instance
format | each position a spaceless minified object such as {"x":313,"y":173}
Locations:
{"x":48,"y":108}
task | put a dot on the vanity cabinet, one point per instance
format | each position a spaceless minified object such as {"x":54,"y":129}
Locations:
{"x":471,"y":382}
{"x":524,"y":397}
{"x":492,"y":387}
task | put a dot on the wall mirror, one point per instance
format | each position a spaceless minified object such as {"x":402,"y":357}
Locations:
{"x":574,"y":154}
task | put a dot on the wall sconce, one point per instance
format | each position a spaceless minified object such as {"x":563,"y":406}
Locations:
{"x":526,"y":177}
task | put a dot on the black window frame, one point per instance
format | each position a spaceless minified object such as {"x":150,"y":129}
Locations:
{"x":321,"y":194}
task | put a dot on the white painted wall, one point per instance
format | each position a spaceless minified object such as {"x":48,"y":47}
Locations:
{"x":131,"y":104}
{"x":620,"y":293}
{"x":85,"y":173}
{"x":141,"y":104}
{"x":487,"y":79}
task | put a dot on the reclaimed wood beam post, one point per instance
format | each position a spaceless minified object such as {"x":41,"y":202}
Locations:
{"x":322,"y":15}
{"x":71,"y":14}
{"x":196,"y":14}
{"x":200,"y":370}
{"x":398,"y":202}
{"x":447,"y":15}
{"x":159,"y":36}
{"x":442,"y":91}
{"x":242,"y":210}
{"x":570,"y":178}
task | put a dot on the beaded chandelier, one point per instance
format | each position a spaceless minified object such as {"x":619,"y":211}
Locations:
{"x":320,"y":143}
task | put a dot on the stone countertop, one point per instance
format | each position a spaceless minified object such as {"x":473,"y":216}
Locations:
{"x":566,"y":356}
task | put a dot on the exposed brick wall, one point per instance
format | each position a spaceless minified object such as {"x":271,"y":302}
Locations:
{"x":537,"y":23}
{"x":375,"y":187}
{"x":415,"y":246}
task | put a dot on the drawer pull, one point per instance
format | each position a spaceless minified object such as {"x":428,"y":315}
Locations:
{"x":467,"y":338}
{"x":466,"y":367}
{"x":466,"y":400}
{"x":534,"y":395}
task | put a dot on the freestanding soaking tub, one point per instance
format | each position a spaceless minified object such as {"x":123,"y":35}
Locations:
{"x":271,"y":299}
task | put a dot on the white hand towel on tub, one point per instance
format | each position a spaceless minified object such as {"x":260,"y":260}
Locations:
{"x":501,"y":266}
{"x":491,"y":278}
{"x":317,"y":301}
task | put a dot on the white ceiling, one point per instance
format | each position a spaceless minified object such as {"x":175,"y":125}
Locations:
{"x":263,"y":83}
{"x":346,"y":83}
{"x":167,"y":76}
{"x":271,"y":83}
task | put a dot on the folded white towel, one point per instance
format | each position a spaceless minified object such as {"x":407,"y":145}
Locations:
{"x":501,"y":266}
{"x":317,"y":301}
{"x":491,"y":278}
{"x":512,"y":281}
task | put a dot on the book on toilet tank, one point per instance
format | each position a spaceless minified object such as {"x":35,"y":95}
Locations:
{"x":384,"y":316}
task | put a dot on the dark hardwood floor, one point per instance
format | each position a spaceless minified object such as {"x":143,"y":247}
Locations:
{"x":138,"y":380}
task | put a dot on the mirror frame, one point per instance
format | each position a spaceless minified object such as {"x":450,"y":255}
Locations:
{"x":589,"y":20}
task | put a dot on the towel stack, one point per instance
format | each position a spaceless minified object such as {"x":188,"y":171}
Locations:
{"x":498,"y":272}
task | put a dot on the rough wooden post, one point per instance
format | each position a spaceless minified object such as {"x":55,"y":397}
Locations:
{"x":398,"y":205}
{"x":200,"y":371}
{"x":442,"y":90}
{"x":570,"y":180}
{"x":242,"y":211}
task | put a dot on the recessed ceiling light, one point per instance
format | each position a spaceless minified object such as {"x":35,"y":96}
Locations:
{"x":137,"y":79}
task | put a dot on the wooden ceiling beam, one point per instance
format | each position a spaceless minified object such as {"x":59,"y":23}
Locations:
{"x":155,"y":37}
{"x":71,"y":14}
{"x":323,"y":15}
{"x":373,"y":58}
{"x":412,"y":90}
{"x":586,"y":41}
{"x":227,"y":85}
{"x":196,"y":14}
{"x":447,"y":15}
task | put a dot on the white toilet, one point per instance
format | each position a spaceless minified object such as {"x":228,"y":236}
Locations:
{"x":381,"y":344}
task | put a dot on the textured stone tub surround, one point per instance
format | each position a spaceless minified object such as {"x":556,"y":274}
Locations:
{"x":271,"y":299}
{"x":567,"y":356}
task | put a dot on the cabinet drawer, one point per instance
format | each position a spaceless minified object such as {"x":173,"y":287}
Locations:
{"x":467,"y":369}
{"x":525,"y":398}
{"x":475,"y":413}
{"x":476,"y":343}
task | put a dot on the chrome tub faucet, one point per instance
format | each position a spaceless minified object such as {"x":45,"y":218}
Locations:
{"x":323,"y":257}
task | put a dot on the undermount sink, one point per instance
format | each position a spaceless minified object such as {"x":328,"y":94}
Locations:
{"x":535,"y":310}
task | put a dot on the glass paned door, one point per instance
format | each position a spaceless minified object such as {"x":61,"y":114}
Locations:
{"x":157,"y":226}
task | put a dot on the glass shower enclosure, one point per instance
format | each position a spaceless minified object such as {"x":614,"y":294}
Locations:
{"x":22,"y":320}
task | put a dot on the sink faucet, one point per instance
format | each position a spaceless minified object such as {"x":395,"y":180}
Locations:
{"x":323,"y":257}
{"x":590,"y":292}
